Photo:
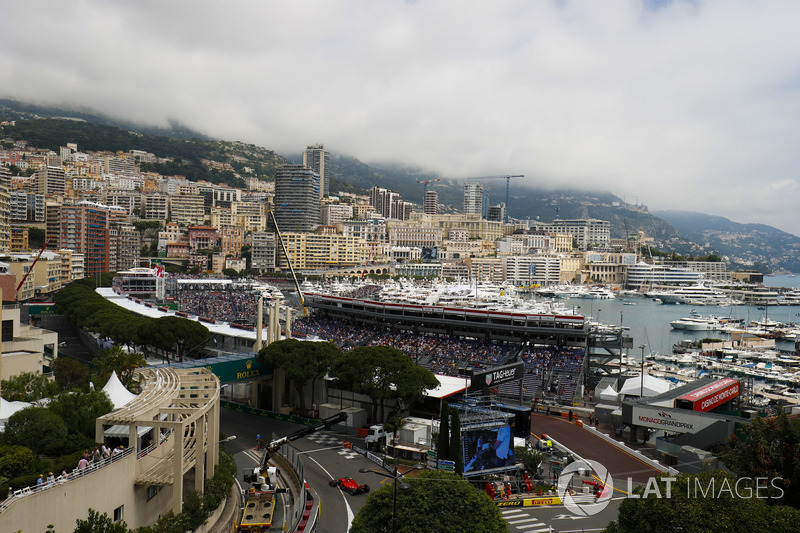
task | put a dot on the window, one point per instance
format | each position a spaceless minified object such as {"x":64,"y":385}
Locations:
{"x":152,"y":490}
{"x":8,"y":331}
{"x":118,"y":513}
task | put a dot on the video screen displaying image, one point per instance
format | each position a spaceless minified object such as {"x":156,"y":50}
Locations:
{"x":487,"y":449}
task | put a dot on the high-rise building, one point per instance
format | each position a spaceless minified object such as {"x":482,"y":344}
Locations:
{"x":430,"y":205}
{"x":296,"y":198}
{"x":318,"y":159}
{"x":5,"y":227}
{"x":473,"y":198}
{"x":50,"y":180}
{"x":389,"y":204}
{"x":262,"y":253}
{"x":84,"y":229}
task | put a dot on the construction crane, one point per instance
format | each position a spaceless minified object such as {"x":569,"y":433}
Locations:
{"x":506,"y":177}
{"x":16,"y":292}
{"x":426,"y":182}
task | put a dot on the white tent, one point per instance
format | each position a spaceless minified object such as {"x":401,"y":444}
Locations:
{"x":608,"y":394}
{"x":9,"y":408}
{"x":652,"y":386}
{"x":119,"y":395}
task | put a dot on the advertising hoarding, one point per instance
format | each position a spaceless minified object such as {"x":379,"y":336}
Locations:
{"x":711,"y":396}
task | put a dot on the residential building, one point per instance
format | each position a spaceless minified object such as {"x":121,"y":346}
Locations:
{"x":187,"y":209}
{"x":72,"y":265}
{"x":473,"y":199}
{"x":19,"y":239}
{"x":156,"y":206}
{"x":389,"y":204}
{"x":313,"y":251}
{"x":262,"y":251}
{"x":231,"y":240}
{"x":335,"y":213}
{"x":202,"y":238}
{"x":297,"y":194}
{"x":5,"y":209}
{"x":52,"y":217}
{"x":125,"y":244}
{"x":85,"y":229}
{"x":412,"y":235}
{"x":172,"y":233}
{"x":587,"y":233}
{"x":318,"y":159}
{"x":430,"y":205}
{"x":50,"y":180}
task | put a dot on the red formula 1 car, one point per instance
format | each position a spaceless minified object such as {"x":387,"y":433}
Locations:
{"x":349,"y":485}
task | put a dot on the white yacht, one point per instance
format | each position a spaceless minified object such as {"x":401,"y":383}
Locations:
{"x":700,"y":294}
{"x":600,"y":292}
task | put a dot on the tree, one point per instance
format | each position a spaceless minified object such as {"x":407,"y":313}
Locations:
{"x":36,"y":428}
{"x":70,"y":374}
{"x":100,"y":523}
{"x":393,"y":425}
{"x":383,"y":372}
{"x":14,"y":460}
{"x":302,"y":361}
{"x":443,"y":444}
{"x":27,"y":387}
{"x":115,"y":359}
{"x":455,"y":441}
{"x":702,"y":503}
{"x":768,"y":447}
{"x":182,"y":335}
{"x":434,"y":501}
{"x":529,"y":457}
{"x":80,"y":410}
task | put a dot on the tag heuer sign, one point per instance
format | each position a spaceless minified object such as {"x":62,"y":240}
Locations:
{"x":496,"y":376}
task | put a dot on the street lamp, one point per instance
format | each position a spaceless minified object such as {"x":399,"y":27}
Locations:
{"x":395,"y":476}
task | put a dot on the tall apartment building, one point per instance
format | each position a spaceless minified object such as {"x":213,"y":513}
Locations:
{"x":125,"y":243}
{"x":473,"y":199}
{"x":430,"y":204}
{"x":262,"y":252}
{"x":187,"y":209}
{"x":84,"y":228}
{"x":52,"y":220}
{"x":297,"y":194}
{"x":318,"y":159}
{"x":156,"y":206}
{"x":50,"y":180}
{"x":389,"y":204}
{"x":5,"y":209}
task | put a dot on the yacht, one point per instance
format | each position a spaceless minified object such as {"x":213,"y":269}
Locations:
{"x":600,"y":292}
{"x":700,"y":294}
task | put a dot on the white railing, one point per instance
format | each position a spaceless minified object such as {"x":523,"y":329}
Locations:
{"x":60,"y":480}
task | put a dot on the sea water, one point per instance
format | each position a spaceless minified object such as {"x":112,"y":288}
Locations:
{"x":648,"y":321}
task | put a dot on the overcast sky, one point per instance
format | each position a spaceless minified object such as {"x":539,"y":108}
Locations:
{"x":678,"y":105}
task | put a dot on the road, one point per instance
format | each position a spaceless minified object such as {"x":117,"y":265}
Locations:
{"x":325,"y":459}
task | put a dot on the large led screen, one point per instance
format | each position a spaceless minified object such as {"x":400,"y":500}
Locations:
{"x":487,"y":449}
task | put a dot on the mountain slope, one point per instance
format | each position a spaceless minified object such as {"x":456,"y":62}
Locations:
{"x":742,"y":243}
